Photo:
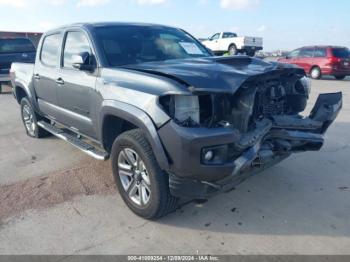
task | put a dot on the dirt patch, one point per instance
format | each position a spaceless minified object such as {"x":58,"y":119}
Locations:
{"x":42,"y":192}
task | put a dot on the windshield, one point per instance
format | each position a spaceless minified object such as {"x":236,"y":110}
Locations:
{"x":132,"y":44}
{"x":341,"y":52}
{"x":16,"y":46}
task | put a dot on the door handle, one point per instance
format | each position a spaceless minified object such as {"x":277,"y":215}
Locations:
{"x":37,"y":76}
{"x":60,"y":81}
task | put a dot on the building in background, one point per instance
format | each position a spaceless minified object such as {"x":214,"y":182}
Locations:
{"x":33,"y":36}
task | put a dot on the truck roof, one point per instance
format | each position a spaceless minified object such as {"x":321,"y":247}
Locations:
{"x":102,"y":24}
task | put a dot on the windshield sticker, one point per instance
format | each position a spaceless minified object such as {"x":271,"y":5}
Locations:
{"x":191,"y":48}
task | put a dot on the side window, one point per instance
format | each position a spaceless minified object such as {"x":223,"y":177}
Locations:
{"x":229,"y":35}
{"x":76,"y":43}
{"x":49,"y":50}
{"x":320,"y":52}
{"x":294,"y":53}
{"x":216,"y":36}
{"x":307,"y":52}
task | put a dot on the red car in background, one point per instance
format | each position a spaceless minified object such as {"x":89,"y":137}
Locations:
{"x":321,"y":60}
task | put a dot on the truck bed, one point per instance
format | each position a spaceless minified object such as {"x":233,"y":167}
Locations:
{"x":21,"y":73}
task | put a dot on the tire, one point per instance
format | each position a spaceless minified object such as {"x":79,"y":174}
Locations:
{"x":315,"y":73}
{"x":0,"y":88}
{"x":31,"y":124}
{"x":232,"y":50}
{"x":136,"y":170}
{"x":339,"y":77}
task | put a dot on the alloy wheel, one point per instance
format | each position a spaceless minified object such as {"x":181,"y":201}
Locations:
{"x":134,"y":176}
{"x":28,"y":118}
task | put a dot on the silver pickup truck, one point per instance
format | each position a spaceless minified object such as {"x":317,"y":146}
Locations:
{"x":174,"y":120}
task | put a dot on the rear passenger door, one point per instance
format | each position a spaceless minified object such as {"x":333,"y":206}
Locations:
{"x":76,"y":90}
{"x":45,"y":74}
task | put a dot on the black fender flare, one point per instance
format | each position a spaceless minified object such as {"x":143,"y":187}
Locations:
{"x":18,"y":85}
{"x":138,"y":118}
{"x":28,"y":91}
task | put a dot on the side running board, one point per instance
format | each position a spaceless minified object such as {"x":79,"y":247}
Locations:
{"x":73,"y":140}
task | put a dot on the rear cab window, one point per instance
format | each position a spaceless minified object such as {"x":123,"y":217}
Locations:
{"x":341,"y":52}
{"x":50,"y":49}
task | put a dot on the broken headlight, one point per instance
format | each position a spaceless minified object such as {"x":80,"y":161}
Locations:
{"x":184,"y":109}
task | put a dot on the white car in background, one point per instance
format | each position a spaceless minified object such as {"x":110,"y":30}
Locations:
{"x":224,"y":42}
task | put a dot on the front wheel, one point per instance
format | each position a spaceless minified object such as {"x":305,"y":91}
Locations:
{"x":339,"y":77}
{"x":142,"y":184}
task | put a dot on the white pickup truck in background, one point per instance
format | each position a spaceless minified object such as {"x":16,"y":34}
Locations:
{"x":224,"y":42}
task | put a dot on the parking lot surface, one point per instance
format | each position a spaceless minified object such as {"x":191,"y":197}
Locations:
{"x":56,"y":200}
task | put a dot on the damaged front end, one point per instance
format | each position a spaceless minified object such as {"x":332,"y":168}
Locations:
{"x":215,"y":140}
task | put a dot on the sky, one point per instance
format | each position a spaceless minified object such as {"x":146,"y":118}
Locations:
{"x":283,"y":24}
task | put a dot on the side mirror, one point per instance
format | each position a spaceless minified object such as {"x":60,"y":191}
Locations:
{"x":81,"y":61}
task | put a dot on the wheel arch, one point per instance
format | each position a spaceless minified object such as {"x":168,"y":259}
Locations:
{"x":20,"y":92}
{"x":125,"y":117}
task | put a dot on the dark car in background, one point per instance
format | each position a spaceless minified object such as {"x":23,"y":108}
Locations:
{"x":14,"y":50}
{"x":321,"y":60}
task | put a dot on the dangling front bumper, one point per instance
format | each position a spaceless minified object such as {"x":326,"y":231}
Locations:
{"x":272,"y":141}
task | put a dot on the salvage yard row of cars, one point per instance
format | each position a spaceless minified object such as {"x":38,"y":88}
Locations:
{"x":176,"y":121}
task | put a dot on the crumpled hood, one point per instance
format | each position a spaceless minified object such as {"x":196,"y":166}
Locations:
{"x":214,"y":74}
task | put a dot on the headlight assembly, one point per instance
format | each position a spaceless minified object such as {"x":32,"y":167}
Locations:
{"x":183,"y":109}
{"x":186,"y":107}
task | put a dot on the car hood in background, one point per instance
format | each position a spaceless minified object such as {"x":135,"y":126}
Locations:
{"x":215,"y":74}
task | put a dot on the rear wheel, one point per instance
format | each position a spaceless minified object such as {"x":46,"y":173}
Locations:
{"x":232,"y":50}
{"x":30,"y":120}
{"x":315,"y":73}
{"x":0,"y":88}
{"x":142,"y":184}
{"x":339,"y":77}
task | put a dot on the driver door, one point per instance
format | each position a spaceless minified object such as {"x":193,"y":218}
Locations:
{"x":213,"y":43}
{"x":76,"y":87}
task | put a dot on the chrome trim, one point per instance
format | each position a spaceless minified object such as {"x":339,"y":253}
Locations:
{"x":63,"y":137}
